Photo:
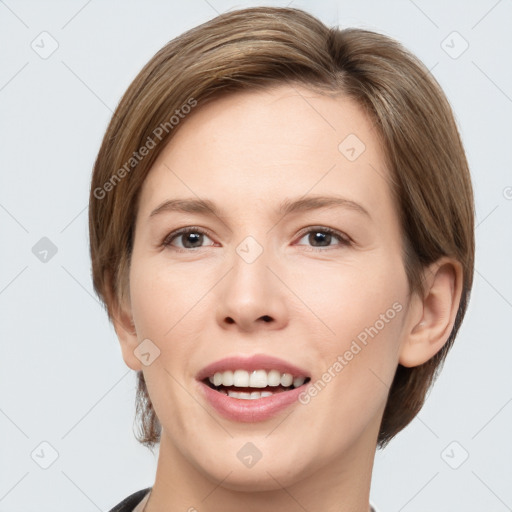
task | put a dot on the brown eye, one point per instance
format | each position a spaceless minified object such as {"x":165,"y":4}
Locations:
{"x":323,"y":237}
{"x":189,"y":238}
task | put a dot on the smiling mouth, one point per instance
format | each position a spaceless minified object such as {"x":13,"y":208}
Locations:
{"x":246,"y":385}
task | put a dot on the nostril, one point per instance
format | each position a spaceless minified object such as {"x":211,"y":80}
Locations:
{"x":266,"y":318}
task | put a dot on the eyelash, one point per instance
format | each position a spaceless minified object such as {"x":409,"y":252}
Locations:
{"x":343,"y":239}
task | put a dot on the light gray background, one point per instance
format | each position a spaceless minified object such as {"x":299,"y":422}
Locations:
{"x":62,"y":378}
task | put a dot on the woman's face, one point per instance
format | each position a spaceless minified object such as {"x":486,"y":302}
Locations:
{"x":313,"y":288}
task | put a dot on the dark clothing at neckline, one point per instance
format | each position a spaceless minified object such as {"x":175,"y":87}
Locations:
{"x":129,"y":503}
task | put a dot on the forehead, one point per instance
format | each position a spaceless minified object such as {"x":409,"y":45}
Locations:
{"x":255,"y":148}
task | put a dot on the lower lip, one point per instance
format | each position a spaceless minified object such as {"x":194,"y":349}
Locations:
{"x":250,"y":410}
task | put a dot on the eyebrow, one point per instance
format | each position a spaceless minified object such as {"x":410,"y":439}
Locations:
{"x":286,"y":207}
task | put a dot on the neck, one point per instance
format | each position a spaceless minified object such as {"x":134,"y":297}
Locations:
{"x":341,"y":485}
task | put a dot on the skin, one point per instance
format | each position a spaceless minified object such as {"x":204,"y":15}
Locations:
{"x":247,"y":152}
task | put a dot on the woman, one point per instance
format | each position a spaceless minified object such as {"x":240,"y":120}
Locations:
{"x":281,"y":229}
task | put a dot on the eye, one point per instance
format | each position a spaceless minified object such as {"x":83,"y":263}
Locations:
{"x":191,"y":238}
{"x":321,"y":237}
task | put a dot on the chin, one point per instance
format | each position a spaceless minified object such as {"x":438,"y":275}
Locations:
{"x":243,"y":467}
{"x":264,"y":476}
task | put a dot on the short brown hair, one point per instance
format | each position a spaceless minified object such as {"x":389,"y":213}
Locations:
{"x":265,"y":46}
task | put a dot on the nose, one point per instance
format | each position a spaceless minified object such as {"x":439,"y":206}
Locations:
{"x":251,"y":297}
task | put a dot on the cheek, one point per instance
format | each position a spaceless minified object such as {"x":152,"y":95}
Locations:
{"x":162,"y":297}
{"x":167,"y":310}
{"x":362,"y":309}
{"x":347,"y":298}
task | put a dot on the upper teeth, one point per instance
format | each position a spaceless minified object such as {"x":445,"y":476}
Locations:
{"x":255,"y":379}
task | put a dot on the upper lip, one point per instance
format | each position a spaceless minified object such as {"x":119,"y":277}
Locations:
{"x":251,"y":363}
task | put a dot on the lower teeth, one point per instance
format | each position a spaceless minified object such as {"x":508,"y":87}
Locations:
{"x":246,"y":396}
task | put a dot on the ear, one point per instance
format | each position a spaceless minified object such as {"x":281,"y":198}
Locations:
{"x":122,"y":320}
{"x":433,"y":315}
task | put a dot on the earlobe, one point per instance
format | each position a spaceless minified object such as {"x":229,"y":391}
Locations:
{"x":431,"y":328}
{"x":122,"y":320}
